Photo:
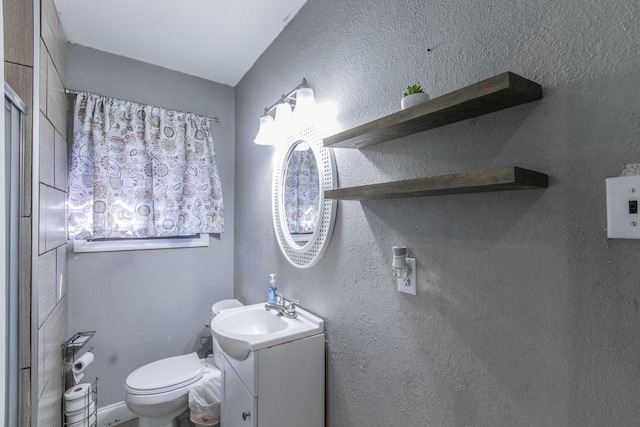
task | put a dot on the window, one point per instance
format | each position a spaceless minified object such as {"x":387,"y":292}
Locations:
{"x":109,"y":245}
{"x":141,"y":172}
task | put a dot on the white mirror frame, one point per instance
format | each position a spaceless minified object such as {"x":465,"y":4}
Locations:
{"x":309,"y":254}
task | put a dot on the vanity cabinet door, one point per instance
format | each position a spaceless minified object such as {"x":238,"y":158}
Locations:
{"x":239,"y":408}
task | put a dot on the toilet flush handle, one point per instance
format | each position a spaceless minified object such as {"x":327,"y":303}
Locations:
{"x":245,"y":415}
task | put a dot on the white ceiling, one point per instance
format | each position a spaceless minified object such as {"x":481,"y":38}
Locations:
{"x":214,"y":39}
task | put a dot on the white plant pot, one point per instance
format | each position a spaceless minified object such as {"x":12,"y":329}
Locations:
{"x":414,"y":99}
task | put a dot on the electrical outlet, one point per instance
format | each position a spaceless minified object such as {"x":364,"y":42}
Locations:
{"x":623,"y":220}
{"x":408,"y":284}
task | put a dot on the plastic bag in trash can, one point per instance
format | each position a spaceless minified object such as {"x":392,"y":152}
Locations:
{"x":204,"y":402}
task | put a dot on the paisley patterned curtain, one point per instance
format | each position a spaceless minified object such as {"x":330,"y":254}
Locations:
{"x":301,"y":193}
{"x":138,"y":171}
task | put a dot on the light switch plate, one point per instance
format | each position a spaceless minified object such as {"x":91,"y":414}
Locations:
{"x":623,"y":219}
{"x":408,"y":284}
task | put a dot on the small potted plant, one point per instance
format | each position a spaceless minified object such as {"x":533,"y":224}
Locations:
{"x":413,"y":95}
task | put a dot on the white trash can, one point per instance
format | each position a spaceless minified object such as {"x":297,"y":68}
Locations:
{"x":204,"y":402}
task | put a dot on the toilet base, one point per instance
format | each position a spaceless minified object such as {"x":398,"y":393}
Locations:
{"x":169,"y":420}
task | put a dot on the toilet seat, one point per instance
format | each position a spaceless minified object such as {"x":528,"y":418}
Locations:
{"x":165,"y":375}
{"x":151,"y":405}
{"x":159,"y":391}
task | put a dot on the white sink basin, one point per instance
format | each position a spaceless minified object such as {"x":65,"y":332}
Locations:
{"x":252,"y":327}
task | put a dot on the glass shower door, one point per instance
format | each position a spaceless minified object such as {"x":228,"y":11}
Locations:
{"x":14,"y":110}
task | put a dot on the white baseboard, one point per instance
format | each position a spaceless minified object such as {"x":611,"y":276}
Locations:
{"x":115,"y":414}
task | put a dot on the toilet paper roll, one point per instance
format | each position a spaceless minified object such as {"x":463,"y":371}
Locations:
{"x":81,"y":415}
{"x":82,"y":362}
{"x":77,"y":397}
{"x":80,"y":365}
{"x":89,"y":422}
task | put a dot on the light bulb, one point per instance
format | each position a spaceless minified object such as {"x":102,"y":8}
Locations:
{"x":266,"y":134}
{"x":283,"y":115}
{"x":305,"y":111}
{"x":283,"y":121}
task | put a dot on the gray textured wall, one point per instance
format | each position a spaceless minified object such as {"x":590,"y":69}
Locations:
{"x":146,"y":305}
{"x":526,"y":314}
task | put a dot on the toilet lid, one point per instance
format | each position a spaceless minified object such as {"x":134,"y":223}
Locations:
{"x":165,"y":375}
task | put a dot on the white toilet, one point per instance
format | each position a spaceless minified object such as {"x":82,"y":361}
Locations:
{"x":158,"y":391}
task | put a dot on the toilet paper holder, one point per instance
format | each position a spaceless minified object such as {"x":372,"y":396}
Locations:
{"x":80,"y":405}
{"x":81,"y":410}
{"x":73,"y":345}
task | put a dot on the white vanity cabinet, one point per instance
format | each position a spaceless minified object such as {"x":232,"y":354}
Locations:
{"x":240,"y":408}
{"x":279,"y":386}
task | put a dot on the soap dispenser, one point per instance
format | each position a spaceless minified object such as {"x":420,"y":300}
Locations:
{"x":272,"y":291}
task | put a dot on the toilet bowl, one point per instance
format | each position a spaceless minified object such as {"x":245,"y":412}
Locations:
{"x":158,"y":392}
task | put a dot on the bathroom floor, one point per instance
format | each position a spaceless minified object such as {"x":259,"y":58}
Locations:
{"x":183,"y":421}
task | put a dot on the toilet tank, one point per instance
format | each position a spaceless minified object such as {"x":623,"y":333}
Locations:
{"x":224,"y":305}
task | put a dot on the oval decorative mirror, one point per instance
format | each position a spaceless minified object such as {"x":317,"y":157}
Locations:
{"x":302,"y":218}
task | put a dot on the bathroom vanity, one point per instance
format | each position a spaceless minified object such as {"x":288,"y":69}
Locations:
{"x":273,"y":368}
{"x":279,"y":386}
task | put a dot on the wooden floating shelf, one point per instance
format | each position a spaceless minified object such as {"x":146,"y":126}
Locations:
{"x":511,"y":178}
{"x":496,"y":93}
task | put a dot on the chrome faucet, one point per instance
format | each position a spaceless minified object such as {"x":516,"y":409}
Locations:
{"x":283,"y":306}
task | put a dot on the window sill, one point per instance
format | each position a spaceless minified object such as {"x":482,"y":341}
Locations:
{"x":139,"y":245}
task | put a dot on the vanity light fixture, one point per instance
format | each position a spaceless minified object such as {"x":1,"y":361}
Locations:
{"x":266,"y":133}
{"x":284,"y":115}
{"x":305,"y":105}
{"x":294,"y":109}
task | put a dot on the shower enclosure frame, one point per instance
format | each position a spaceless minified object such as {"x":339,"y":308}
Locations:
{"x":15,"y":118}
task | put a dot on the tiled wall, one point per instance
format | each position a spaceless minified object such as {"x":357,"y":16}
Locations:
{"x":18,"y":69}
{"x":52,"y":302}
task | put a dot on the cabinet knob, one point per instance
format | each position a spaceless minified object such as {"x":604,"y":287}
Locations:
{"x":245,"y":415}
